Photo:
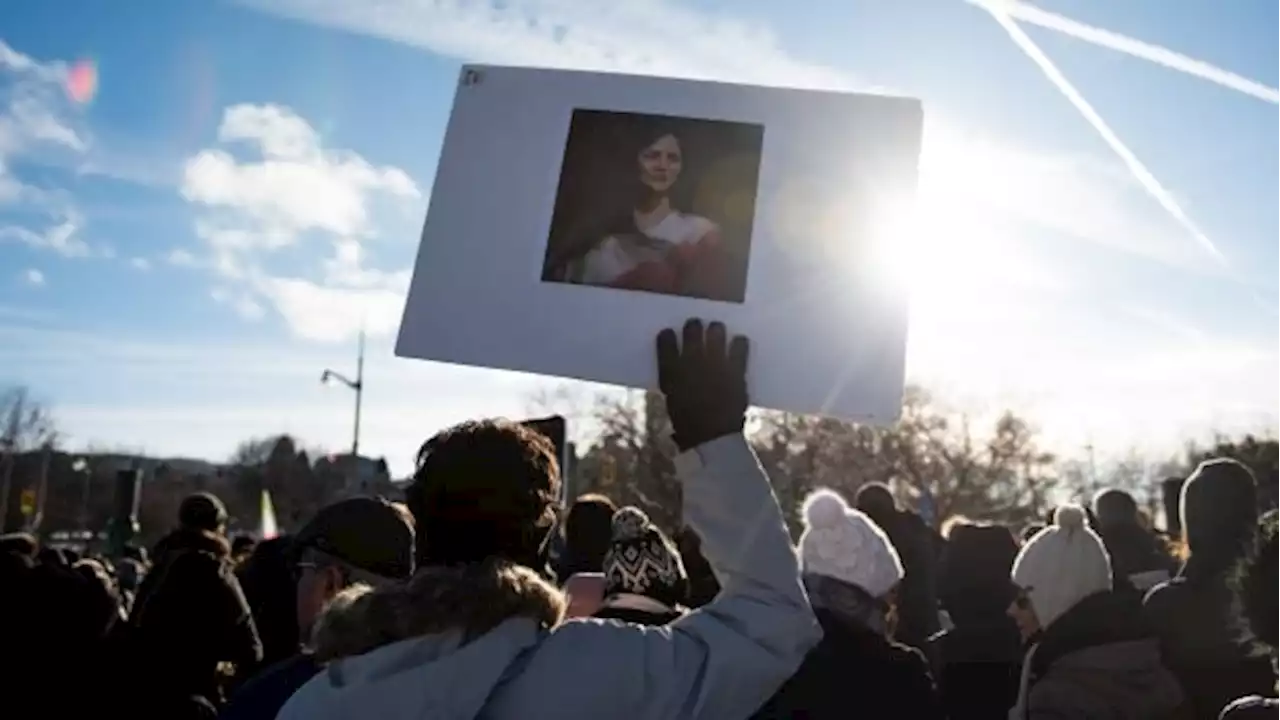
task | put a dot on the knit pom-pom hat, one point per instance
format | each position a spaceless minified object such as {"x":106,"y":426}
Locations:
{"x":843,"y":543}
{"x":642,"y":561}
{"x":1062,"y":565}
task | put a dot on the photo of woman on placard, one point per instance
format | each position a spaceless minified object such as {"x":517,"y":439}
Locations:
{"x":648,"y":239}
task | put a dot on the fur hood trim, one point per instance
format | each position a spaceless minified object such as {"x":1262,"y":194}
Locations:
{"x":472,"y":599}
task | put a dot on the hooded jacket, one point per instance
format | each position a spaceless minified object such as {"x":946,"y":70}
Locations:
{"x":190,"y":614}
{"x":437,"y":657}
{"x":1097,"y":662}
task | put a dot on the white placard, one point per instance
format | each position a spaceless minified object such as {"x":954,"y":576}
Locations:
{"x":750,"y":205}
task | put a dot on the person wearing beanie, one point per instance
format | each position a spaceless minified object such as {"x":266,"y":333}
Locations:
{"x":852,"y":572}
{"x":979,"y":655}
{"x":1089,"y":654}
{"x":645,"y":580}
{"x":190,"y":616}
{"x":1194,"y":613}
{"x":479,"y":630}
{"x":203,"y":511}
{"x":1140,"y":560}
{"x":918,"y":547}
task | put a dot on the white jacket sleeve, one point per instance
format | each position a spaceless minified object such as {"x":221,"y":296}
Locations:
{"x":722,"y":661}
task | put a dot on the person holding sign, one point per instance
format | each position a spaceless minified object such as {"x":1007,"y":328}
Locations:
{"x":477,"y":633}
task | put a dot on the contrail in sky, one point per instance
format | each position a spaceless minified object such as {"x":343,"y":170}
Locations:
{"x":1130,"y":46}
{"x":1136,"y":166}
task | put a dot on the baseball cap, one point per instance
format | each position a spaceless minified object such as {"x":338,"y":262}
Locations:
{"x":202,"y":511}
{"x":364,"y":532}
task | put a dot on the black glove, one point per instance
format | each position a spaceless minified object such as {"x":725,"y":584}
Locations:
{"x":704,"y":379}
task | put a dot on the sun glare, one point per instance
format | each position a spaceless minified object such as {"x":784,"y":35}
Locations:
{"x":948,"y":245}
{"x":957,"y":253}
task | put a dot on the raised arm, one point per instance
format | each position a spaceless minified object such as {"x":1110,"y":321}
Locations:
{"x":726,"y":659}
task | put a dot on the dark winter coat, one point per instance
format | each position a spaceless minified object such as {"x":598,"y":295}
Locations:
{"x":856,"y":672}
{"x":918,"y":547}
{"x":1139,"y":558}
{"x":1097,"y":662}
{"x":190,"y":615}
{"x":1201,"y":643}
{"x":979,"y":661}
{"x":264,"y":694}
{"x":269,"y":585}
{"x":56,"y":624}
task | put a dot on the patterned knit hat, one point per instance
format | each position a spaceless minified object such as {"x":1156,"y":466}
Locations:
{"x":642,"y":561}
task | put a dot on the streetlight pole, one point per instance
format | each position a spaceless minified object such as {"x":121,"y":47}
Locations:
{"x":82,"y":467}
{"x":359,"y":388}
{"x":356,"y":385}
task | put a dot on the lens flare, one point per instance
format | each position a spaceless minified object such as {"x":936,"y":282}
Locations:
{"x":82,"y":81}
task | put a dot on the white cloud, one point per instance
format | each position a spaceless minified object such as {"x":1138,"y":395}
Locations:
{"x":298,"y":185}
{"x":330,"y":313}
{"x":241,"y":302}
{"x":182,"y":258}
{"x":295,"y":191}
{"x":140,"y":263}
{"x":33,"y":277}
{"x":38,"y":121}
{"x":61,"y":238}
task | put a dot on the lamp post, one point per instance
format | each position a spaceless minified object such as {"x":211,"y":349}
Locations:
{"x":358,"y":386}
{"x":82,"y":467}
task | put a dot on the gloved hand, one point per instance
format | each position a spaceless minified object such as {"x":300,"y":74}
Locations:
{"x":704,"y":379}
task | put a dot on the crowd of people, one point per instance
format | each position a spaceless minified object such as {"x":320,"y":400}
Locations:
{"x":452,"y":604}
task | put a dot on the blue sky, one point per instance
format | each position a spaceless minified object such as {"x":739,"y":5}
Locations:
{"x":180,"y":257}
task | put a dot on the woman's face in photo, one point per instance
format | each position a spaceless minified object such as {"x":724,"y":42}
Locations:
{"x":660,"y":164}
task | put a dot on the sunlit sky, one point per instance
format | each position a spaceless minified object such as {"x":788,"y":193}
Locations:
{"x":200,"y":202}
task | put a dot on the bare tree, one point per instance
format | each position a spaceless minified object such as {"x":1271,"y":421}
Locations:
{"x":938,"y":462}
{"x":1132,"y":471}
{"x":256,"y":451}
{"x":27,"y":425}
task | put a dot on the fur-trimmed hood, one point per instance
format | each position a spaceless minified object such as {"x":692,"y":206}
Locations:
{"x":468,"y":599}
{"x":433,"y":646}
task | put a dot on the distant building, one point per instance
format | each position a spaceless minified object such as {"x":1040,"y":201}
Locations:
{"x":371,"y":476}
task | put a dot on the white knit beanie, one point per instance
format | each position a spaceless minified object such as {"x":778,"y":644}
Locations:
{"x":843,"y":543}
{"x":1062,"y":565}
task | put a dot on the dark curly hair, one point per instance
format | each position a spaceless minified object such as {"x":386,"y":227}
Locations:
{"x":1255,"y":583}
{"x":484,"y":489}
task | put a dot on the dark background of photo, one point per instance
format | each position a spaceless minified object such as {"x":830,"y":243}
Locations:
{"x":718,"y":180}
